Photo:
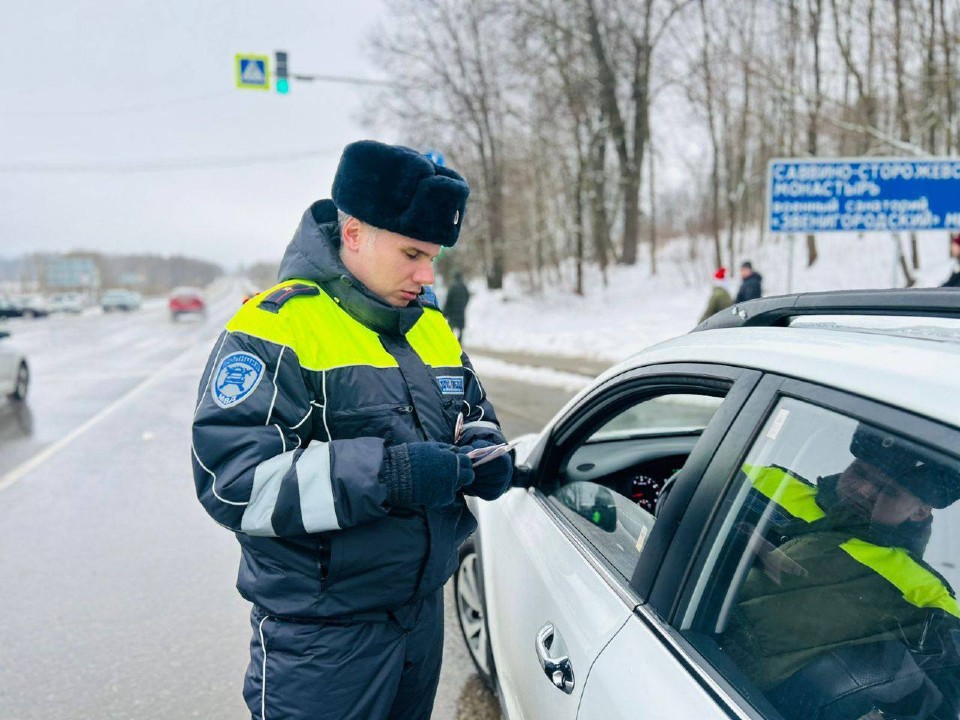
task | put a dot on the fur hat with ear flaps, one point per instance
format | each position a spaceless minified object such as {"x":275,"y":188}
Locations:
{"x":903,"y":461}
{"x":398,"y":189}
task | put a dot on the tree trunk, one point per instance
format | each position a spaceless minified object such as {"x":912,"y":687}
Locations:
{"x":598,"y":207}
{"x":947,"y":43}
{"x":714,"y":140}
{"x":815,"y":12}
{"x":653,"y":212}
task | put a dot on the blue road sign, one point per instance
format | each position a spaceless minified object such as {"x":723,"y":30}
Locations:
{"x":863,"y":194}
{"x":251,"y":72}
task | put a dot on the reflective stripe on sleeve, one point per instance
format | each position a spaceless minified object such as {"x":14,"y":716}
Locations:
{"x":263,"y":498}
{"x":317,"y":506}
{"x":796,"y":497}
{"x":484,"y":425}
{"x":919,"y":586}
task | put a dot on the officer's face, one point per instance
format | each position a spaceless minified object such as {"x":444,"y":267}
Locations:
{"x":873,"y":494}
{"x":393,"y":266}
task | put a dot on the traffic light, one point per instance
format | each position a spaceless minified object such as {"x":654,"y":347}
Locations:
{"x":283,"y":82}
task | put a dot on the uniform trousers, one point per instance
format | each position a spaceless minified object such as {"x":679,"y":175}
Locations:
{"x":381,"y":667}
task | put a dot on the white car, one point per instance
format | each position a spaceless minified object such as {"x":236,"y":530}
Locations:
{"x":68,"y":302}
{"x":14,"y":370}
{"x":121,"y":300}
{"x":773,"y":578}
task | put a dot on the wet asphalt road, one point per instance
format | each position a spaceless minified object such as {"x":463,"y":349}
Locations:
{"x":116,"y":589}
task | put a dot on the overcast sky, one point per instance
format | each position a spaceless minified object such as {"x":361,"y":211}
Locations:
{"x":93,"y":90}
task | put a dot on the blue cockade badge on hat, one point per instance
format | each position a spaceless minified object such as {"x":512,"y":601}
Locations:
{"x":235,"y":379}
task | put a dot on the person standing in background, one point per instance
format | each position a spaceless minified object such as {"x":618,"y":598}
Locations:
{"x":751,"y":283}
{"x":455,"y":306}
{"x":954,"y":279}
{"x":719,"y":295}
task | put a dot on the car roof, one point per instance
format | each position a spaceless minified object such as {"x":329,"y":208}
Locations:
{"x":920,"y":375}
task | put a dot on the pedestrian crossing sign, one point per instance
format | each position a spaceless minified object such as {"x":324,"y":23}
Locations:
{"x":252,"y":71}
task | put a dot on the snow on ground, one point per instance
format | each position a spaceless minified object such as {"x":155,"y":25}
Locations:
{"x":489,"y":367}
{"x":636,"y":309}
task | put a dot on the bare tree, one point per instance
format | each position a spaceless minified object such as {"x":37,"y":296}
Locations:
{"x":446,"y":57}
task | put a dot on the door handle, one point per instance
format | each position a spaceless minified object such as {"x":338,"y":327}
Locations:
{"x":558,"y":668}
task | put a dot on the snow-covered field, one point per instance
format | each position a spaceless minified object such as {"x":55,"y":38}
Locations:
{"x":635,"y":309}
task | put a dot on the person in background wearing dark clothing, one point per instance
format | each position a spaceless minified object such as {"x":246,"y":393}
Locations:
{"x":719,"y":295}
{"x":331,"y":435}
{"x":751,"y":283}
{"x":954,"y":279}
{"x":455,"y":306}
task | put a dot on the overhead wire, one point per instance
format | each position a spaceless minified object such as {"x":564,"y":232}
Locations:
{"x":122,"y":110}
{"x":119,"y":168}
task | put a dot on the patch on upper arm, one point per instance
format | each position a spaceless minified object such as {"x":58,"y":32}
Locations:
{"x":235,"y":378}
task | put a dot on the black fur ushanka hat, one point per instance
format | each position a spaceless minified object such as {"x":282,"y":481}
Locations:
{"x":398,"y":189}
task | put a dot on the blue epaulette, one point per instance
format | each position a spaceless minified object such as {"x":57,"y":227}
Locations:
{"x":275,"y":300}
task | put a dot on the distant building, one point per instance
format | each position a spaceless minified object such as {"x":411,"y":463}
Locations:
{"x":71,"y":273}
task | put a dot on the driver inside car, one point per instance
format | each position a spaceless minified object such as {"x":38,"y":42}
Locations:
{"x":849,"y":571}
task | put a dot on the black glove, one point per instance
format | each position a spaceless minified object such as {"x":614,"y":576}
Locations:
{"x":492,"y":478}
{"x":424,"y":473}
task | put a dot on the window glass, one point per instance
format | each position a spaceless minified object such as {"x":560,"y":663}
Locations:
{"x":661,"y":414}
{"x":609,"y":484}
{"x":830,"y":588}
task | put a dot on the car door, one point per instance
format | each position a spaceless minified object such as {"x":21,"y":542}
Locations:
{"x":755,"y":609}
{"x":560,"y":557}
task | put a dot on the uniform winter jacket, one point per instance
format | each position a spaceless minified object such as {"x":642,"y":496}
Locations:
{"x":719,"y":300}
{"x":307,"y":385}
{"x":834,"y":582}
{"x":751,"y":287}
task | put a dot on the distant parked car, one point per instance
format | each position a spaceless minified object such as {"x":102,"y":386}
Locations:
{"x":14,"y":371}
{"x":120,"y":299}
{"x":69,"y":302}
{"x":9,"y":309}
{"x":33,"y":305}
{"x":186,"y":301}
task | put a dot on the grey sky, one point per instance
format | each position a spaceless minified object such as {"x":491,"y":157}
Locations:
{"x":109,"y":84}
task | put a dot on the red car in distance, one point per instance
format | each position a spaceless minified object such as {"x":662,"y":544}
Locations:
{"x":186,"y":301}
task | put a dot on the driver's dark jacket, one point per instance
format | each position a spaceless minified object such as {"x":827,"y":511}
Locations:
{"x":833,"y":581}
{"x":293,"y":466}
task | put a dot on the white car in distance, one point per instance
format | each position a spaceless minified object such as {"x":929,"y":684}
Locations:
{"x":14,"y":370}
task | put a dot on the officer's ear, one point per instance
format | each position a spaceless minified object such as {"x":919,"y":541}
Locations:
{"x":922,"y":512}
{"x":351,"y":234}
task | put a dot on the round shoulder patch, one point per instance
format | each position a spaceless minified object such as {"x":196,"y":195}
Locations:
{"x":235,"y":378}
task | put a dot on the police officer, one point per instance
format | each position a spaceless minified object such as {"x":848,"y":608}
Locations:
{"x":331,"y":435}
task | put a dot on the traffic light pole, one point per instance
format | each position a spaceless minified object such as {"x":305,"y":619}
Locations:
{"x":283,"y":76}
{"x":341,"y":79}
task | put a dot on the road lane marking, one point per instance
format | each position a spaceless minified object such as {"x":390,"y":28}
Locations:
{"x":28,"y":466}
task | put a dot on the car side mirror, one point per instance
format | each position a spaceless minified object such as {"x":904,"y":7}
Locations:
{"x":522,"y":476}
{"x":592,"y":502}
